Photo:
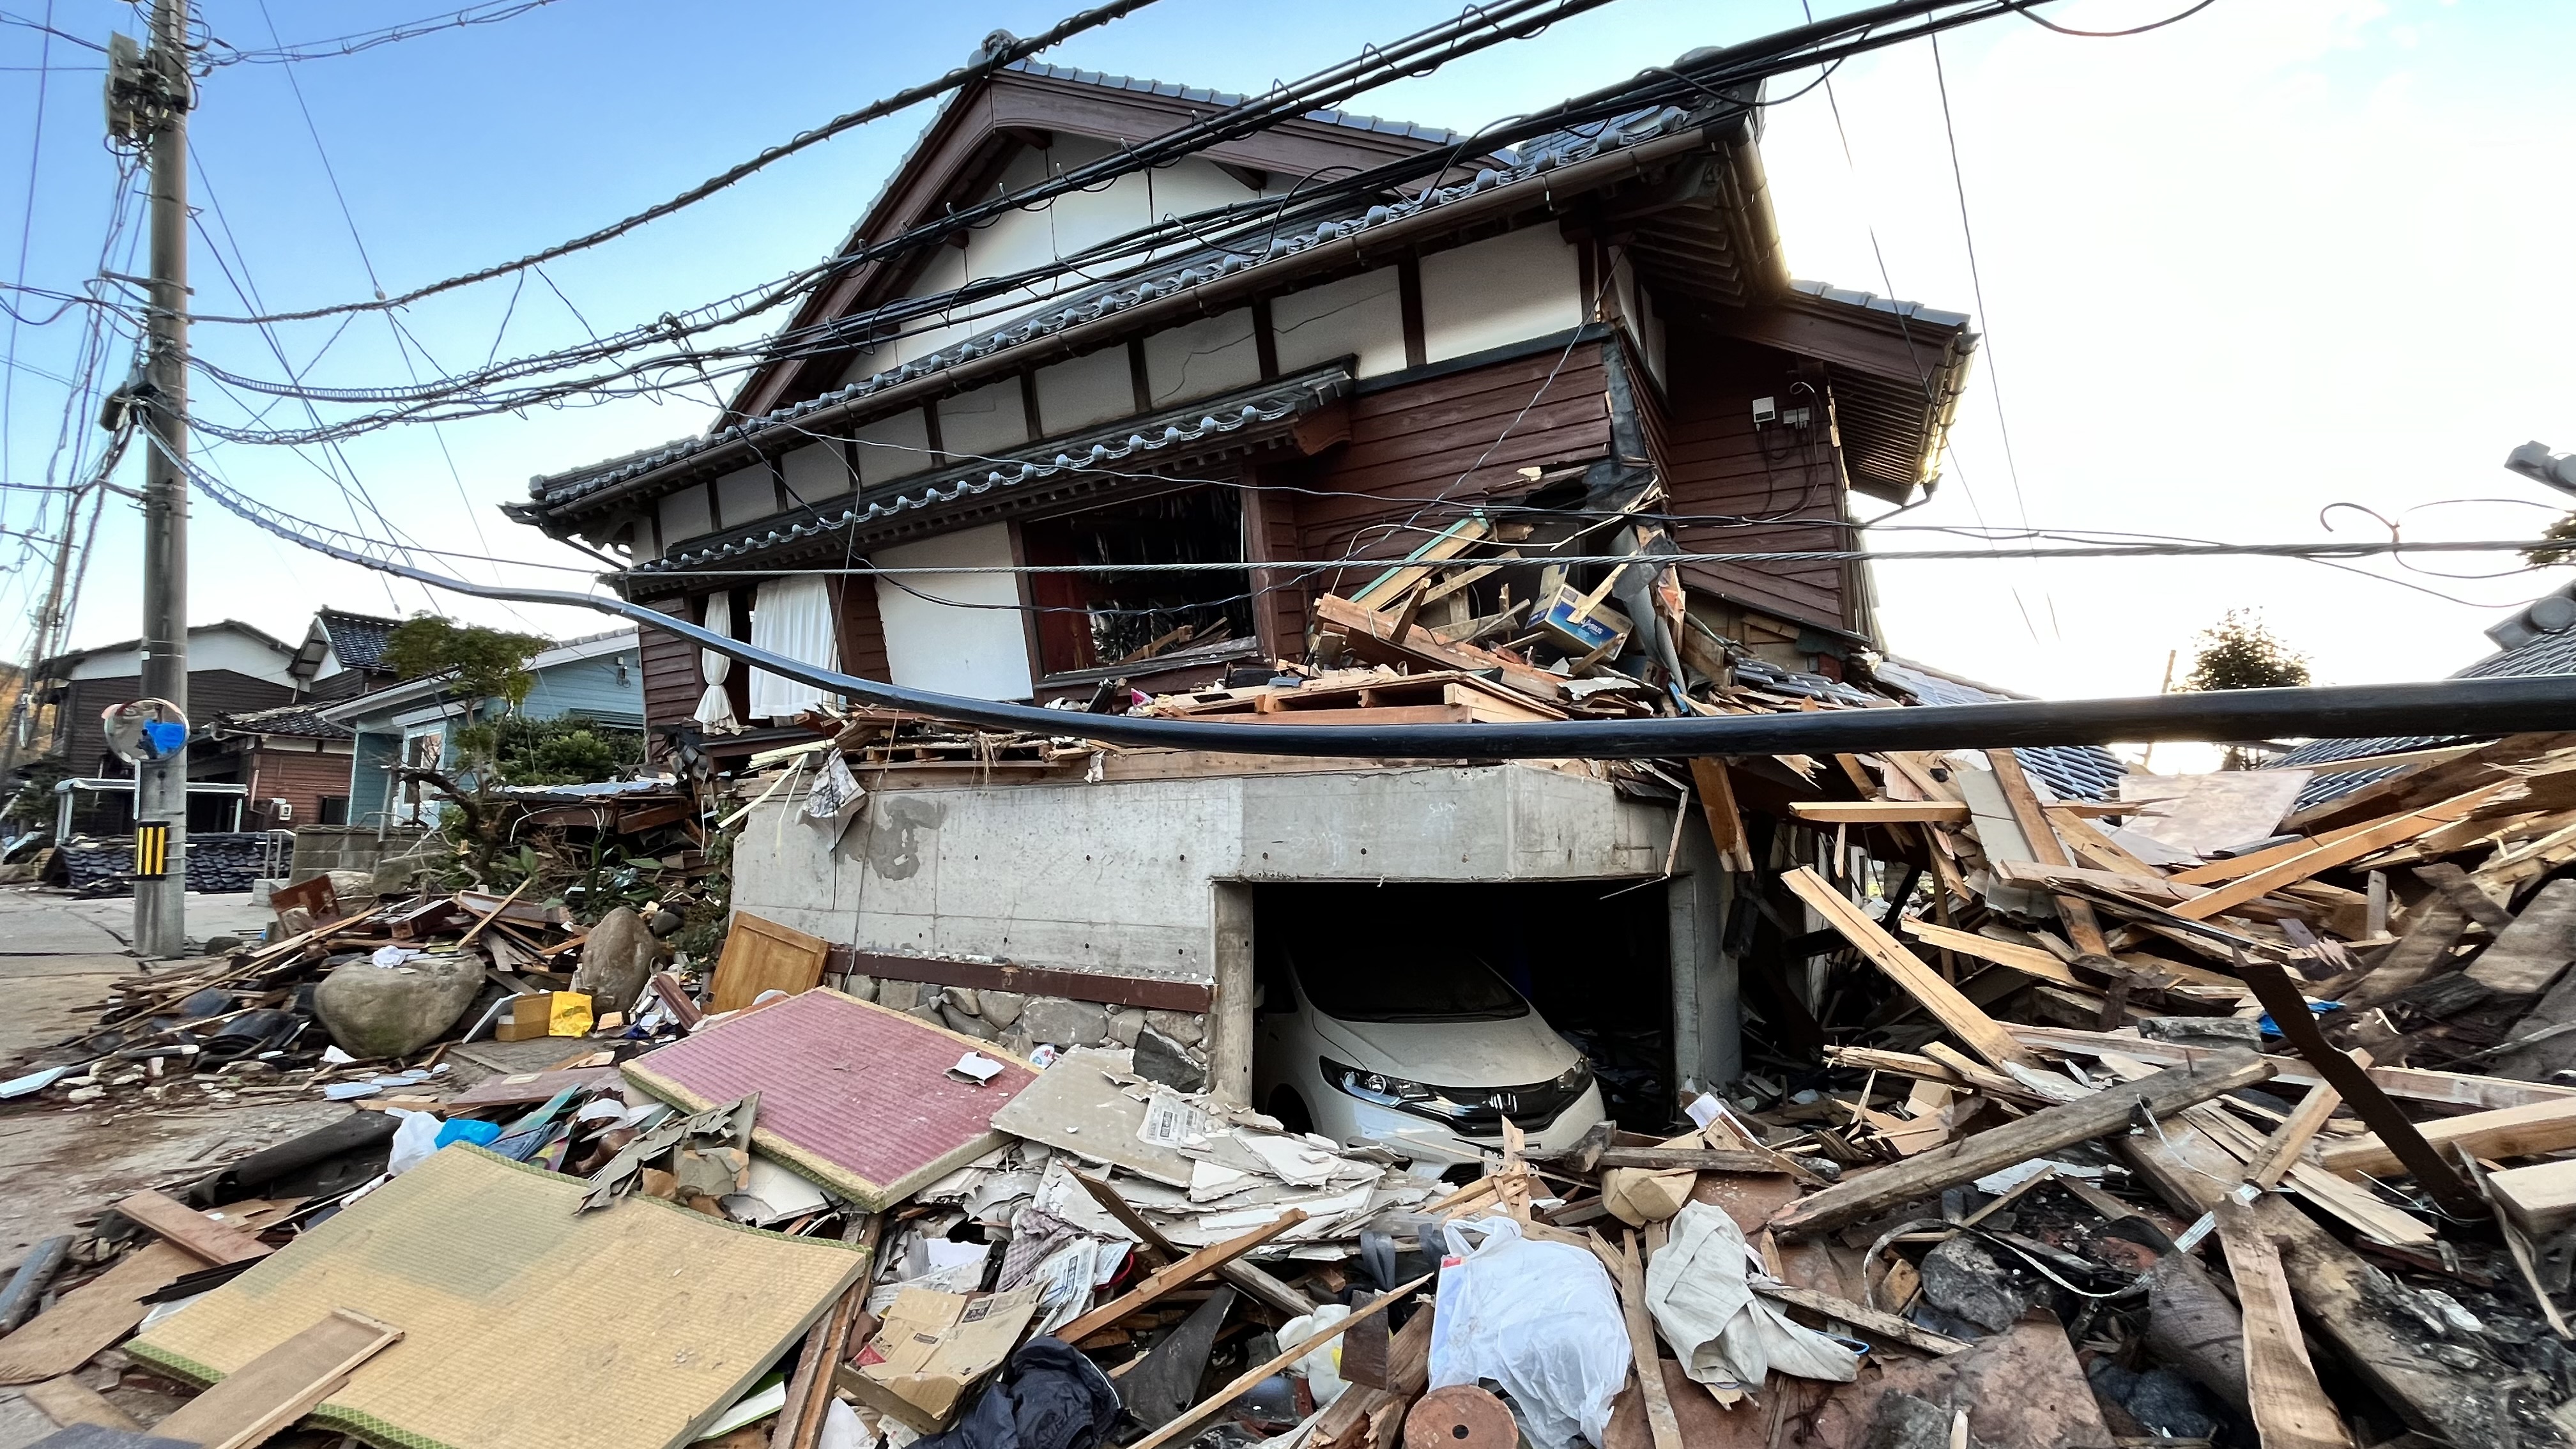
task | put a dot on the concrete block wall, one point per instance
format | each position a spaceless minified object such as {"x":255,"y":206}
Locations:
{"x":320,"y":848}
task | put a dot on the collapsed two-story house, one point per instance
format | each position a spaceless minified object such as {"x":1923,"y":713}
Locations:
{"x":1591,"y":330}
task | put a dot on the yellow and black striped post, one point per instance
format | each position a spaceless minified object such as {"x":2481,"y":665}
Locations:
{"x":151,"y":849}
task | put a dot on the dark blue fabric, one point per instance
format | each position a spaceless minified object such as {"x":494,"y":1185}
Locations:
{"x":1047,"y":1397}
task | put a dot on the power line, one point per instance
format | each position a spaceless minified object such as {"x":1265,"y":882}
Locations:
{"x":491,"y":13}
{"x":986,"y":64}
{"x":2024,"y":11}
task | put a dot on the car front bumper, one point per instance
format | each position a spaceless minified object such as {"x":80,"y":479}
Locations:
{"x":1428,"y":1143}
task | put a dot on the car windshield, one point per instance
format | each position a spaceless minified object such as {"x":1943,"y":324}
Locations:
{"x":1427,"y":985}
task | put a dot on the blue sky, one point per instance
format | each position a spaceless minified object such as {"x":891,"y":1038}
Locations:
{"x":2283,"y":254}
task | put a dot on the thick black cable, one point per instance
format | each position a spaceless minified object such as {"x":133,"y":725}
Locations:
{"x":2446,"y":707}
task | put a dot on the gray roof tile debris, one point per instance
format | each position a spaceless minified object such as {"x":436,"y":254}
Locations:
{"x":2075,"y":772}
{"x":2548,"y":654}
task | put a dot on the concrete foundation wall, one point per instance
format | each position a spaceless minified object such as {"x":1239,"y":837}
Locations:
{"x":1115,"y":877}
{"x":320,"y":848}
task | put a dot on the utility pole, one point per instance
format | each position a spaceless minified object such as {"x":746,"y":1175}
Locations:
{"x":161,"y":786}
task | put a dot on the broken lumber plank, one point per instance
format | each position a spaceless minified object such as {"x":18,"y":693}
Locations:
{"x":799,"y":1424}
{"x":2290,"y":1015}
{"x":2413,"y":1084}
{"x":2513,"y":1132}
{"x":68,"y":1401}
{"x":2540,"y":1198}
{"x":280,"y":1386}
{"x":166,"y":1217}
{"x":2527,"y":956}
{"x":2087,"y":840}
{"x":1924,"y":984}
{"x":1678,"y":1159}
{"x":2395,"y":830}
{"x":1205,"y":1261}
{"x":2152,"y":888}
{"x":2297,"y":1130}
{"x":1725,"y":822}
{"x":1880,"y":812}
{"x":2106,"y":1112}
{"x":1248,"y":1276}
{"x":2081,"y":927}
{"x":1648,"y":1360}
{"x":2028,"y":960}
{"x":1868,"y":1320}
{"x":2290,"y":1408}
{"x":1209,"y":1408}
{"x":2415,"y":956}
{"x":2453,"y":885}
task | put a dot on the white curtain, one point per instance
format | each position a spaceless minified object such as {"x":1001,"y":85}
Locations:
{"x":792,"y":616}
{"x":715,"y":707}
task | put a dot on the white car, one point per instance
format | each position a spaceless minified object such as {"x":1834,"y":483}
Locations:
{"x":1423,"y":1053}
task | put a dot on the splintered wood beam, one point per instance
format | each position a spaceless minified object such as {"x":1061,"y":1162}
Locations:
{"x":1206,"y":1260}
{"x":1209,"y":1408}
{"x":1880,"y":812}
{"x":2395,"y":830}
{"x":2081,"y":927}
{"x":1868,"y":1320}
{"x":2289,"y":1012}
{"x":2291,"y":1410}
{"x":2012,"y":955}
{"x":1725,"y":822}
{"x":1943,"y":1000}
{"x":2298,"y":1129}
{"x":2104,"y":1113}
{"x":217,"y":1243}
{"x":2512,"y":1132}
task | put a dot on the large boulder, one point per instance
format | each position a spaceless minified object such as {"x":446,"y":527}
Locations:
{"x":617,"y":961}
{"x":377,"y":1011}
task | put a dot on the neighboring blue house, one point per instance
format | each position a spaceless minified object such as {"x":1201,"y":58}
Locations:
{"x":597,"y":677}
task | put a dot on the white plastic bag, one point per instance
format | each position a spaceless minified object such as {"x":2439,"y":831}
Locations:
{"x":1698,"y":1290}
{"x":414,"y":1140}
{"x":1540,"y":1319}
{"x":1322,"y":1369}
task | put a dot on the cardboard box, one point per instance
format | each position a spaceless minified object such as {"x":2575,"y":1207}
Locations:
{"x":544,"y":1013}
{"x":932,"y":1348}
{"x":1599,"y":628}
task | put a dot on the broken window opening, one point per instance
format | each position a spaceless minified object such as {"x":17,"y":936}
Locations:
{"x":1089,"y":620}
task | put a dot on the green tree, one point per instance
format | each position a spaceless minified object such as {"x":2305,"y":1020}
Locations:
{"x":2561,"y":548}
{"x":488,"y":663}
{"x":2241,"y":652}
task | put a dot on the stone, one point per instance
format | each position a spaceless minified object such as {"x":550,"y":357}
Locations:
{"x":1185,"y":1027}
{"x":294,"y":921}
{"x":965,"y":1021}
{"x":2221,"y":1031}
{"x":1963,"y":1280}
{"x":1161,"y":1059}
{"x":862,"y":987}
{"x":1065,"y":1022}
{"x":222,"y":945}
{"x":1016,"y":1041}
{"x":963,"y":998}
{"x":1001,"y":1008}
{"x":898,"y":995}
{"x":374,"y":1011}
{"x":617,"y":961}
{"x":1124,"y":1023}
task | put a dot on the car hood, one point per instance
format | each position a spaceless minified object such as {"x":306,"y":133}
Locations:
{"x":1517,"y":1052}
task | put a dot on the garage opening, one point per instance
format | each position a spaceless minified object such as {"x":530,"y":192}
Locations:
{"x":1428,"y":1011}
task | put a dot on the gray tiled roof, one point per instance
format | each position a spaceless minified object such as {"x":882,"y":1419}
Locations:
{"x":2075,"y":772}
{"x":287,"y":719}
{"x":1531,"y":161}
{"x":1912,"y":311}
{"x":1202,"y":421}
{"x":2548,"y":654}
{"x":1433,"y":135}
{"x":358,"y":639}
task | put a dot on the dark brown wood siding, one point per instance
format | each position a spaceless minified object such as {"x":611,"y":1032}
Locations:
{"x":299,"y":777}
{"x":861,"y":629}
{"x":210,"y":692}
{"x":1714,"y":464}
{"x":1420,"y":440}
{"x":671,"y":683}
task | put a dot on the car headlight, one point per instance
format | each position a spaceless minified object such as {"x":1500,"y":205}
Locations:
{"x":1573,"y":1080}
{"x":1396,"y":1092}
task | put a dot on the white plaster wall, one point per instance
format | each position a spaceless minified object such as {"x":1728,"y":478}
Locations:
{"x":895,"y":446}
{"x":1358,"y":315}
{"x":685,"y":514}
{"x":1202,"y":358}
{"x":208,"y":648}
{"x":986,"y":420}
{"x":1505,"y":289}
{"x":746,"y":495}
{"x":817,"y":471}
{"x":982,"y":652}
{"x":1092,"y":388}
